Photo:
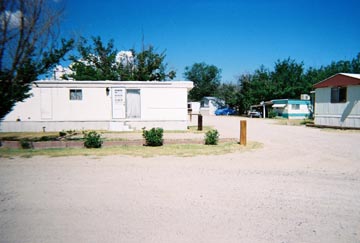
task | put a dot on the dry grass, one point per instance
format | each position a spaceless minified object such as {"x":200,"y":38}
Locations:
{"x":179,"y":150}
{"x":292,"y":122}
{"x":25,"y":135}
{"x":107,"y":135}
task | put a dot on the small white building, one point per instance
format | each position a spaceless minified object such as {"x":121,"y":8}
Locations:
{"x":337,"y":101}
{"x":208,"y":105}
{"x":57,"y":105}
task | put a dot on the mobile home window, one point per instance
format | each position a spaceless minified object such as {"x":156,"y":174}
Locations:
{"x":295,"y":106}
{"x":75,"y":94}
{"x":338,"y":95}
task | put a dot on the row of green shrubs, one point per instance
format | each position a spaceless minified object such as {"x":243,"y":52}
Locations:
{"x":153,"y":137}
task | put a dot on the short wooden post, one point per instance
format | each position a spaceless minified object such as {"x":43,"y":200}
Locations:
{"x":243,"y":132}
{"x":200,"y":122}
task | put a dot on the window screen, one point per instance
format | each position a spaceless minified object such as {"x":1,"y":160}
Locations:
{"x":338,"y":95}
{"x":295,"y":106}
{"x":75,"y":94}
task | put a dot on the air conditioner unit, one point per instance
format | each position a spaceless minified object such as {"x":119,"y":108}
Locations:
{"x":305,"y":97}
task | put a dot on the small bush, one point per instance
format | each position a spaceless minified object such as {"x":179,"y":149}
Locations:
{"x":46,"y":138}
{"x":212,"y":137}
{"x":153,"y":137}
{"x":92,"y":139}
{"x":62,"y":133}
{"x":272,"y":114}
{"x":26,"y":144}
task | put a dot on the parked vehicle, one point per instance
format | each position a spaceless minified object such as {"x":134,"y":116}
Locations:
{"x":225,"y":111}
{"x":254,"y":113}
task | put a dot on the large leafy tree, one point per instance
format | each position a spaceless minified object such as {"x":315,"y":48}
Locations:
{"x":98,"y":61}
{"x":149,"y":65}
{"x":29,"y":47}
{"x":206,"y":80}
{"x":288,"y":80}
{"x":229,"y":92}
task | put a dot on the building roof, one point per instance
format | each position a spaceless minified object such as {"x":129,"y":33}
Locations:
{"x":339,"y":80}
{"x":107,"y":83}
{"x":290,"y":101}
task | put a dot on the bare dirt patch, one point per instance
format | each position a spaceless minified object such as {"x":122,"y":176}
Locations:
{"x":302,"y":186}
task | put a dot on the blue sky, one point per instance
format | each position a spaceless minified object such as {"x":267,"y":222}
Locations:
{"x":236,"y":36}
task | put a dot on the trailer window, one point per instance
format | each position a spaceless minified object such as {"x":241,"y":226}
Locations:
{"x":338,"y":95}
{"x":295,"y":107}
{"x":75,"y":94}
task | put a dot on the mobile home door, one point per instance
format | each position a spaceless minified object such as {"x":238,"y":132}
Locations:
{"x":118,"y":103}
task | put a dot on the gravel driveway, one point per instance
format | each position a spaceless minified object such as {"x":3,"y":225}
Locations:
{"x":302,"y":186}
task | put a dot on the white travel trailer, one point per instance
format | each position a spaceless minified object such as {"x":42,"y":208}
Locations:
{"x":57,"y":105}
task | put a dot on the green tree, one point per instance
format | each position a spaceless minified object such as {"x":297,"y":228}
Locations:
{"x":150,"y":65}
{"x":287,"y":79}
{"x":230,"y":93}
{"x":206,"y":80}
{"x":99,"y":62}
{"x":29,"y":47}
{"x":246,"y":97}
{"x":315,"y":75}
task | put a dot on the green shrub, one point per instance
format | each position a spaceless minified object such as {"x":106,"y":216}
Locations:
{"x":46,"y":138}
{"x":92,"y":139}
{"x":212,"y":137}
{"x":26,"y":144}
{"x":272,"y":114}
{"x":62,"y":133}
{"x":153,"y":137}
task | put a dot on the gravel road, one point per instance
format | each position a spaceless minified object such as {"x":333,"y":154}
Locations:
{"x":302,"y":186}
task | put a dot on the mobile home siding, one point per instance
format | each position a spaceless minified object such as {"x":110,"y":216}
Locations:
{"x":50,"y":108}
{"x":338,"y":114}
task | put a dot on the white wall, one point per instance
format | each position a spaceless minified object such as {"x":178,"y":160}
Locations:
{"x":302,"y":113}
{"x":337,"y":114}
{"x":163,"y":104}
{"x":160,"y":102}
{"x":95,"y":105}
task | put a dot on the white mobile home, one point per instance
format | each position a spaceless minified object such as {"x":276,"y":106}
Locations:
{"x":337,"y":101}
{"x":291,"y":108}
{"x":102,"y":105}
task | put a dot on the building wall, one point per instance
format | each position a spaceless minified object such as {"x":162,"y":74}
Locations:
{"x":163,"y":104}
{"x":94,"y":106}
{"x":301,"y":113}
{"x":50,"y":108}
{"x":337,"y":114}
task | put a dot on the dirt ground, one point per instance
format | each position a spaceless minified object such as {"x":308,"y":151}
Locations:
{"x":302,"y":186}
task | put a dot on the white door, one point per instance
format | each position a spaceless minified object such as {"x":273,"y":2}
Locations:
{"x":133,"y":103}
{"x":46,"y":103}
{"x":118,"y":103}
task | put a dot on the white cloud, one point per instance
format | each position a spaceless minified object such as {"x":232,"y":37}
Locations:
{"x":11,"y":18}
{"x":124,"y":57}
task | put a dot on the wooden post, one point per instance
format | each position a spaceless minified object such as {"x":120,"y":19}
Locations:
{"x":200,"y":122}
{"x":243,"y":132}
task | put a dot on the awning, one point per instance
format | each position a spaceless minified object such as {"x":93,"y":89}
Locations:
{"x":279,"y":105}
